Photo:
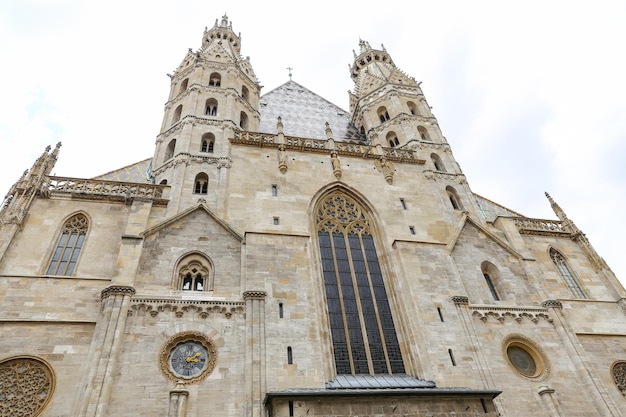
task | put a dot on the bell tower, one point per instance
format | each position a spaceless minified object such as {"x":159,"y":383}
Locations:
{"x":387,"y":105}
{"x":214,"y":92}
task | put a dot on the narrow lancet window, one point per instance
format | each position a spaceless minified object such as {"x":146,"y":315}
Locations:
{"x":68,"y":248}
{"x":566,"y":273}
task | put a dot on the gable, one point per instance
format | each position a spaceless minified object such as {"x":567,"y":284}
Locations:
{"x":198,"y":231}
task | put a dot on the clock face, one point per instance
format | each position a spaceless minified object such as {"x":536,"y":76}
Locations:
{"x":188,"y":359}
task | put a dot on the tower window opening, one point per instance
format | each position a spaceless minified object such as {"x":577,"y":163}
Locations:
{"x":289,"y":355}
{"x":169,"y":151}
{"x":177,"y":114}
{"x":201,"y":183}
{"x":403,"y":203}
{"x":423,"y":133}
{"x":245,"y":93}
{"x":274,"y":190}
{"x":183,"y":85}
{"x":211,"y":107}
{"x":193,"y":282}
{"x":193,"y":274}
{"x":392,"y":138}
{"x":383,"y":115}
{"x":215,"y":79}
{"x":437,"y":163}
{"x":243,"y":120}
{"x":412,"y":107}
{"x":208,"y":142}
{"x":454,"y":198}
{"x":280,"y":310}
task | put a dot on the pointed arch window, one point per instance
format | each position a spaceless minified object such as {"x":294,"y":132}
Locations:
{"x":245,"y":94}
{"x":183,"y":85}
{"x":490,"y":272}
{"x":423,"y":133}
{"x":566,"y":273}
{"x":201,"y":183}
{"x":68,"y":248}
{"x":362,"y":329}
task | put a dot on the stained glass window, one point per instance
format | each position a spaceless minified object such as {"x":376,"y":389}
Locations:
{"x":68,"y":248}
{"x":362,"y":328}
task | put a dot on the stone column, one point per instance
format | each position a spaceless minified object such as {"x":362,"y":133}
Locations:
{"x":178,"y":401}
{"x":104,"y":350}
{"x":255,"y":352}
{"x":550,"y":401}
{"x":601,"y":399}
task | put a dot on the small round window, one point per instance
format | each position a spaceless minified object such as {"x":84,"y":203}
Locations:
{"x":525,"y":358}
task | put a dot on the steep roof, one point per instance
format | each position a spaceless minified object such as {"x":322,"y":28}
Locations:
{"x":304,"y":114}
{"x":137,"y":172}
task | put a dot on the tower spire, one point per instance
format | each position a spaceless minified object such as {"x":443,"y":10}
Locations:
{"x":578,"y":236}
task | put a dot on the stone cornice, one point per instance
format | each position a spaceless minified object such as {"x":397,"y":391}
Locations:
{"x":116,"y":290}
{"x":187,"y":158}
{"x":254,"y":295}
{"x":213,"y":121}
{"x":501,"y":314}
{"x":447,"y":176}
{"x":181,"y":308}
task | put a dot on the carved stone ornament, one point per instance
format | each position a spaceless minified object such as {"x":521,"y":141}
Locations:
{"x":26,"y":386}
{"x":116,"y":290}
{"x":254,"y":295}
{"x":460,"y":300}
{"x":619,"y":376}
{"x":188,"y":357}
{"x":552,"y":304}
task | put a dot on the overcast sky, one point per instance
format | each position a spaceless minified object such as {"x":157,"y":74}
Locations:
{"x":531,"y":95}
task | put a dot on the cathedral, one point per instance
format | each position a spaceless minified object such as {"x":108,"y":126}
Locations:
{"x":279,"y":256}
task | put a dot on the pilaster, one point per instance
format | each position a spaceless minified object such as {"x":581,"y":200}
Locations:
{"x":256,"y":385}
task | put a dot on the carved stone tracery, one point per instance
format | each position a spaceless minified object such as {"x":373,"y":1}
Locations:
{"x":619,"y":376}
{"x":26,"y":386}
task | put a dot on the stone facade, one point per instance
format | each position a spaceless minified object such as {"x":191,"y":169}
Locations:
{"x":222,"y":255}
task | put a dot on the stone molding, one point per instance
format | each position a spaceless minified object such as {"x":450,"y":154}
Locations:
{"x":439,"y":175}
{"x":116,"y":290}
{"x":180,"y":308}
{"x":254,"y":295}
{"x":552,"y":304}
{"x":187,"y":158}
{"x":268,"y":140}
{"x":501,"y":314}
{"x":460,"y":300}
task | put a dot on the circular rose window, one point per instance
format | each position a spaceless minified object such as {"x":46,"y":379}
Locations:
{"x":26,"y":385}
{"x":524,"y":357}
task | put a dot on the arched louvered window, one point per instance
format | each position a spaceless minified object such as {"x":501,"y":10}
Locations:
{"x":362,"y":329}
{"x":68,"y":248}
{"x":201,"y":183}
{"x":566,"y":273}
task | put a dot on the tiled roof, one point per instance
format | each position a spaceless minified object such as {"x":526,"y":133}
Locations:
{"x":304,"y":114}
{"x":491,"y":210}
{"x":137,"y":172}
{"x":377,"y":381}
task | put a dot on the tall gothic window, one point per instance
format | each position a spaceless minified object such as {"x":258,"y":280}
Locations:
{"x":566,"y":273}
{"x":362,"y":329}
{"x":68,"y":248}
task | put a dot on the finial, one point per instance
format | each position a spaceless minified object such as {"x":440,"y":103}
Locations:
{"x":224,"y":20}
{"x":215,"y":23}
{"x":329,"y":132}
{"x":290,"y":69}
{"x":279,"y":125}
{"x":364,"y":45}
{"x":353,"y":53}
{"x":383,"y":47}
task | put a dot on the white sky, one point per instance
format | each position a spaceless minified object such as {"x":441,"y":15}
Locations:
{"x":531,"y":95}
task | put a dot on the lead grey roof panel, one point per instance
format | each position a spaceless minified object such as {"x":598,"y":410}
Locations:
{"x":304,"y":114}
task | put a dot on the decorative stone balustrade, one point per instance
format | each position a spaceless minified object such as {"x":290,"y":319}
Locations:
{"x":539,"y":227}
{"x":92,"y":188}
{"x":323,"y":146}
